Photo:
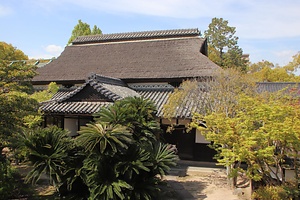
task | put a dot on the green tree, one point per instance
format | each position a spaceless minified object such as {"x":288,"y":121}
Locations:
{"x":10,"y":53}
{"x":218,"y":95}
{"x":15,"y":102}
{"x":47,"y":151}
{"x":15,"y":106}
{"x":96,"y":30}
{"x":263,"y":134}
{"x":294,"y":65}
{"x":45,"y":95}
{"x":266,"y":71}
{"x":223,"y":46}
{"x":82,"y":29}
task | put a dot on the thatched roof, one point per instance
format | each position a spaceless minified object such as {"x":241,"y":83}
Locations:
{"x":140,"y":56}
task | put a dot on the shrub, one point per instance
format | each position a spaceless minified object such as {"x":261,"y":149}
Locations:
{"x":11,"y":183}
{"x":270,"y":193}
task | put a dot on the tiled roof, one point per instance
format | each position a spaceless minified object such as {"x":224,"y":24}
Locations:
{"x":104,"y":87}
{"x":39,"y":63}
{"x":97,"y":92}
{"x":73,"y":107}
{"x":159,"y":94}
{"x":64,"y":102}
{"x":277,"y":86}
{"x":154,"y":59}
{"x":136,"y":36}
{"x":63,"y":92}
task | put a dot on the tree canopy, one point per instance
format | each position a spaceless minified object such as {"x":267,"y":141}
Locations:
{"x":259,"y":129}
{"x":266,"y":71}
{"x":264,"y":134}
{"x":11,"y":53}
{"x":82,"y":29}
{"x":16,"y":106}
{"x":223,"y":46}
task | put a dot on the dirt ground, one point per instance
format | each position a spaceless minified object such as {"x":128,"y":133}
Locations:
{"x":188,"y":182}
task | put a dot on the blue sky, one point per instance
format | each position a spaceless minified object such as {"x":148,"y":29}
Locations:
{"x":267,"y":30}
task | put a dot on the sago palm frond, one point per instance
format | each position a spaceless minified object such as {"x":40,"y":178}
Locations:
{"x":48,"y":152}
{"x":163,"y":157}
{"x":105,"y":138}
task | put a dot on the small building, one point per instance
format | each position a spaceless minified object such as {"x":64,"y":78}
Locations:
{"x":95,"y":71}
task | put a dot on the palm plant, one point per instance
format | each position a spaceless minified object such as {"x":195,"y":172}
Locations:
{"x":48,"y":153}
{"x":104,"y":138}
{"x":102,"y":178}
{"x":162,"y":157}
{"x":123,"y":155}
{"x":133,"y":163}
{"x":104,"y":143}
{"x":136,"y":113}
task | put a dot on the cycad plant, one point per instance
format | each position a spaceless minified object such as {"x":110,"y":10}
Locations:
{"x":52,"y":152}
{"x":104,"y":138}
{"x":124,"y":154}
{"x":137,"y":114}
{"x":48,"y":152}
{"x":118,"y":156}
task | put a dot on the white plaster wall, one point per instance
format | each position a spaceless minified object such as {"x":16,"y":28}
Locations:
{"x":71,"y":125}
{"x":200,"y":138}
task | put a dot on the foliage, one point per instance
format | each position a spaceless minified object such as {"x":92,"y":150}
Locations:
{"x":15,"y":76}
{"x":82,"y":29}
{"x":96,"y":30}
{"x":266,"y":71}
{"x":264,"y":134}
{"x":222,"y":45}
{"x":11,"y":185}
{"x":104,"y":138}
{"x":108,"y":158}
{"x":10,"y":53}
{"x":217,"y":95}
{"x":138,"y":114}
{"x":259,"y":130}
{"x":53,"y":152}
{"x":48,"y":152}
{"x":162,"y":157}
{"x":128,"y":162}
{"x":270,"y":193}
{"x":45,"y":95}
{"x":15,"y":102}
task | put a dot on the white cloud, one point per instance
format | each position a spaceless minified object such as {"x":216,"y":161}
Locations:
{"x":4,"y":11}
{"x":47,"y":52}
{"x":54,"y":49}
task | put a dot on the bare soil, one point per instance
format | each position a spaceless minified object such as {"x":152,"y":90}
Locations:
{"x":182,"y":183}
{"x":204,"y":183}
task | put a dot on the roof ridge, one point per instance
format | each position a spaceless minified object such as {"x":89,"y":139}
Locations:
{"x":141,"y":35}
{"x":106,"y":79}
{"x":73,"y":93}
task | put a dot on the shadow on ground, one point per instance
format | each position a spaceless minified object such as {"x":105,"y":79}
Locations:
{"x":200,"y":180}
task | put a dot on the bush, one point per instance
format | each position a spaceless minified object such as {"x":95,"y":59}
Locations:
{"x":270,"y":193}
{"x":11,"y":183}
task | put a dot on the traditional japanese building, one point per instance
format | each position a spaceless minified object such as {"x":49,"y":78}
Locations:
{"x":95,"y":71}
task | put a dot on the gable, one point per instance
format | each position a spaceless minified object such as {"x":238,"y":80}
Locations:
{"x":88,"y":93}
